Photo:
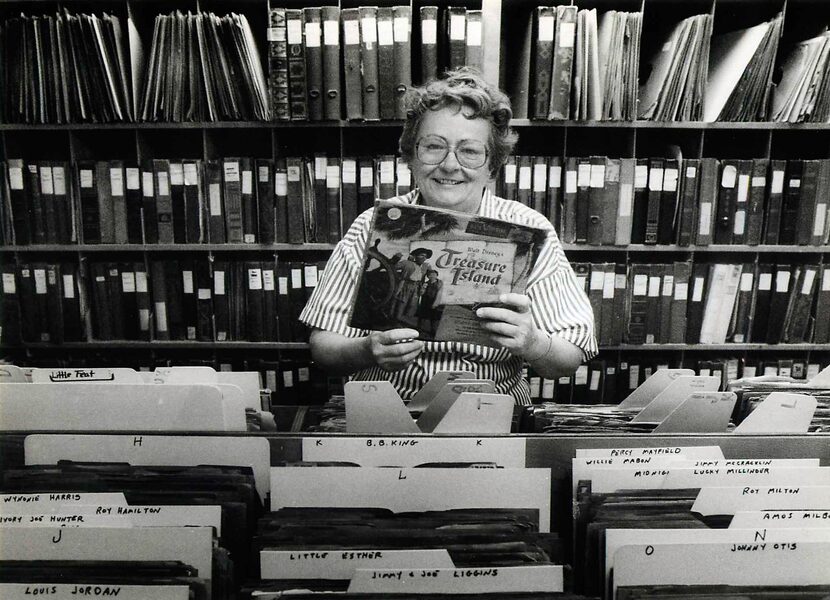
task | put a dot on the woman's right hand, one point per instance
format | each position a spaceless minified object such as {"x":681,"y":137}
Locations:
{"x":394,"y":349}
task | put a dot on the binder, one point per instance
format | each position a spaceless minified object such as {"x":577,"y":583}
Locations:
{"x":132,"y":181}
{"x":352,"y":78}
{"x":194,"y":214}
{"x":164,"y":201}
{"x":269,"y":302}
{"x":297,"y":82}
{"x":320,"y":230}
{"x":232,"y":199}
{"x":688,"y":202}
{"x":761,"y":303}
{"x":790,"y":206}
{"x":653,"y":303}
{"x":619,"y":306}
{"x":457,"y":36}
{"x":772,"y":225}
{"x":10,"y":317}
{"x":54,"y":303}
{"x":204,"y":301}
{"x":161,"y":329}
{"x":129,"y":302}
{"x":175,"y":300}
{"x":666,"y":301}
{"x":740,"y":327}
{"x":29,"y":315}
{"x":638,"y":275}
{"x":655,"y":196}
{"x":639,"y":211}
{"x":596,"y":283}
{"x":283,"y":284}
{"x":37,"y":215}
{"x":105,"y":208}
{"x":727,"y":197}
{"x":724,"y":280}
{"x":740,"y":217}
{"x":807,"y":202}
{"x":429,"y":43}
{"x":387,"y":100}
{"x":707,"y":204}
{"x":539,"y":184}
{"x":596,"y":200}
{"x":42,"y":304}
{"x":265,"y":200}
{"x":312,"y":39}
{"x":402,"y":28}
{"x":679,"y":303}
{"x":278,"y":65}
{"x":609,"y":317}
{"x":148,"y":200}
{"x":819,"y":234}
{"x":64,"y":204}
{"x":583,"y":199}
{"x":221,"y":302}
{"x":20,"y":205}
{"x":525,"y":179}
{"x":73,"y":326}
{"x":102,"y":326}
{"x":668,"y":202}
{"x":348,"y":192}
{"x":248,"y":201}
{"x":369,"y":62}
{"x":143,"y":302}
{"x":611,"y":199}
{"x":510,"y":179}
{"x":281,"y":201}
{"x":798,"y":320}
{"x":696,"y":302}
{"x":332,"y":198}
{"x":177,"y":202}
{"x":560,"y":91}
{"x":569,"y":200}
{"x":779,"y":302}
{"x":47,"y":200}
{"x":757,"y":198}
{"x":821,"y":331}
{"x":330,"y":16}
{"x":366,"y":184}
{"x":189,"y":304}
{"x":386,"y":176}
{"x":474,"y":55}
{"x":216,"y":210}
{"x":294,"y":194}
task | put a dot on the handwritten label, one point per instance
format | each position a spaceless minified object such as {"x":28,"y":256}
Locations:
{"x":342,"y":563}
{"x":688,"y":452}
{"x":71,"y":591}
{"x":730,"y":500}
{"x":413,"y":451}
{"x":539,"y":578}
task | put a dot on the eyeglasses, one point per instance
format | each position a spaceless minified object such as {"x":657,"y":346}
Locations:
{"x":433,"y":149}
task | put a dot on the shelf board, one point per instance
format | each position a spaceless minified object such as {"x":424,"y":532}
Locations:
{"x":714,"y":248}
{"x":310,"y":247}
{"x":344,"y":124}
{"x":161,"y":345}
{"x":719,"y":347}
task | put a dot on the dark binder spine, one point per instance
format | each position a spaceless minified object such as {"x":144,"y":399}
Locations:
{"x":132,"y":179}
{"x":688,"y":203}
{"x":313,"y":37}
{"x":148,"y":202}
{"x":352,"y":77}
{"x":164,"y":201}
{"x":297,"y":82}
{"x":792,"y":195}
{"x":177,"y":201}
{"x":725,"y":215}
{"x":248,"y":201}
{"x":330,"y":16}
{"x":457,"y":36}
{"x":232,"y":199}
{"x":333,"y":207}
{"x":387,"y":100}
{"x":544,"y":22}
{"x":563,"y":53}
{"x":265,"y":200}
{"x":655,"y":194}
{"x":88,"y":192}
{"x":278,"y":66}
{"x":429,"y":43}
{"x":772,"y":225}
{"x":369,"y":62}
{"x":757,"y":198}
{"x":19,"y":203}
{"x":667,"y":218}
{"x":402,"y":27}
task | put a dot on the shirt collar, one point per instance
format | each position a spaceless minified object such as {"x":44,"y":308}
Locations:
{"x":485,"y":207}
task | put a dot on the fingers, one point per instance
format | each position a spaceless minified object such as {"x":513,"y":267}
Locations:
{"x":396,"y":348}
{"x":397,"y":336}
{"x":513,"y":305}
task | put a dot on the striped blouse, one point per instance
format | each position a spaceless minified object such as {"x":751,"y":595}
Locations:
{"x":558,"y":304}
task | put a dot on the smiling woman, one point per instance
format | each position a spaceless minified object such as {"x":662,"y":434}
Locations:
{"x":456,"y":137}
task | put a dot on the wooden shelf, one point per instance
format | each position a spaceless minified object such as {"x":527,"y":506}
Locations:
{"x":305,"y":247}
{"x":161,"y":345}
{"x":714,"y":248}
{"x":719,"y":347}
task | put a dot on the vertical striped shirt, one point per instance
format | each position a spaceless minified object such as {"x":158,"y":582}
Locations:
{"x":559,"y":306}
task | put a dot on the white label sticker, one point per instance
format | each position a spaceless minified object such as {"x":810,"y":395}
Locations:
{"x":16,"y":178}
{"x":141,"y":282}
{"x":86,"y":179}
{"x":281,"y":183}
{"x":268,"y":280}
{"x":777,"y":186}
{"x":69,"y":286}
{"x":691,"y":172}
{"x":782,"y":281}
{"x":46,"y":186}
{"x":570,"y":182}
{"x":740,"y":222}
{"x":429,"y":31}
{"x":333,"y":177}
{"x":187,"y":282}
{"x":746,"y":282}
{"x":296,"y":278}
{"x":203,"y":294}
{"x":640,"y":176}
{"x":215,"y":197}
{"x":540,"y":173}
{"x":626,"y":199}
{"x":133,"y":178}
{"x":310,"y":275}
{"x":163,"y":183}
{"x":653,"y":286}
{"x":825,"y":280}
{"x":176,"y":173}
{"x":247,"y":182}
{"x":640,"y":285}
{"x":524,"y":177}
{"x":655,"y":179}
{"x":401,"y":25}
{"x":474,"y":33}
{"x":351,"y":32}
{"x":668,"y":285}
{"x":670,"y":180}
{"x":254,"y":279}
{"x":681,"y":291}
{"x":820,"y":220}
{"x":128,"y":282}
{"x":331,"y":33}
{"x":555,"y":176}
{"x":367,"y":176}
{"x":697,"y":292}
{"x":705,"y":224}
{"x":567,"y":33}
{"x":510,"y":173}
{"x":597,"y":176}
{"x":809,"y":277}
{"x":349,"y":171}
{"x":729,"y":176}
{"x":218,"y":283}
{"x":312,"y":35}
{"x":369,"y":29}
{"x":765,"y":282}
{"x":546,"y":24}
{"x":282,"y":286}
{"x":294,"y":31}
{"x":385,"y":34}
{"x":147,"y":184}
{"x":117,"y":182}
{"x":759,"y":181}
{"x":262,"y":174}
{"x":387,"y":171}
{"x":795,"y":183}
{"x":458,"y":27}
{"x":231,"y":169}
{"x":40,"y":281}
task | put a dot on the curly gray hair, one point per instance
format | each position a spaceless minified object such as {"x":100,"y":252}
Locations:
{"x":462,"y":88}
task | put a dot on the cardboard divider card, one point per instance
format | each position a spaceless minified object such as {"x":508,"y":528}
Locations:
{"x":22,"y":504}
{"x":12,"y":374}
{"x":538,"y":578}
{"x":191,"y":545}
{"x":648,"y":390}
{"x":775,"y":563}
{"x":412,"y":489}
{"x":689,"y":452}
{"x":745,"y":475}
{"x":185,"y":375}
{"x":780,"y":412}
{"x":478,"y":413}
{"x":70,"y":591}
{"x":248,"y":382}
{"x":376,"y":407}
{"x":446,"y":397}
{"x":744,"y":538}
{"x":96,"y":375}
{"x":121,"y":516}
{"x":701,"y":412}
{"x":730,"y":500}
{"x":509,"y":452}
{"x":233,"y":407}
{"x":90,"y":406}
{"x":424,"y":396}
{"x":675,"y":394}
{"x":781,"y":519}
{"x":342,"y":563}
{"x":48,"y":449}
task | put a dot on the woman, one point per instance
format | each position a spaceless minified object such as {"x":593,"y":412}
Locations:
{"x":456,"y":138}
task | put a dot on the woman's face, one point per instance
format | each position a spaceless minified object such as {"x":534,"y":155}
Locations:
{"x":449,"y":184}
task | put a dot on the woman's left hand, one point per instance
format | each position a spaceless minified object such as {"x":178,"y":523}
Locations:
{"x":510,"y":326}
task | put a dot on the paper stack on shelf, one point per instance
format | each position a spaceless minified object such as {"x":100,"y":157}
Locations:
{"x":740,"y":72}
{"x":619,"y":63}
{"x":203,"y":67}
{"x":803,"y":94}
{"x":674,"y":89}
